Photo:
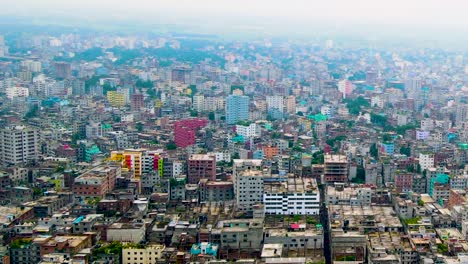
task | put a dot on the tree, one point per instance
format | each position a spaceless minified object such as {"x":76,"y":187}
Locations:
{"x":318,"y":157}
{"x":144,"y":84}
{"x":171,"y":146}
{"x":386,"y":137}
{"x":139,"y":126}
{"x":374,"y":152}
{"x":360,"y":175}
{"x":33,"y":112}
{"x":405,"y":150}
{"x":75,"y":137}
{"x":418,"y":168}
{"x":211,"y":116}
{"x":354,"y":106}
{"x":107,"y":88}
{"x":193,"y":113}
{"x":378,"y":119}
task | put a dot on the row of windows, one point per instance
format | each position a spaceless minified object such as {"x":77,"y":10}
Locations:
{"x":141,"y":253}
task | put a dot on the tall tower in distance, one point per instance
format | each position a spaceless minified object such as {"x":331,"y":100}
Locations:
{"x":237,"y":109}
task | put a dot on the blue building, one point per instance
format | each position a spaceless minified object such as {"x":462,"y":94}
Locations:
{"x":388,"y":148}
{"x":204,"y":248}
{"x":237,"y":109}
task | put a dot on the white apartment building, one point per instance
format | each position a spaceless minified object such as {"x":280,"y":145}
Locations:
{"x":326,"y":110}
{"x":426,"y":160}
{"x":250,"y":131}
{"x":198,"y":103}
{"x":18,"y":144}
{"x":378,"y":101}
{"x":127,"y":118}
{"x":427,"y":124}
{"x":93,"y":130}
{"x":248,"y":188}
{"x":177,"y":168}
{"x":221,"y":156}
{"x":32,"y":66}
{"x":459,"y":182}
{"x":275,"y":102}
{"x":297,"y":196}
{"x":16,"y":91}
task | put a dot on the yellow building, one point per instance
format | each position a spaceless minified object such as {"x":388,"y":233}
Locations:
{"x":305,"y":123}
{"x":116,"y":99}
{"x":146,"y":255}
{"x":131,"y":159}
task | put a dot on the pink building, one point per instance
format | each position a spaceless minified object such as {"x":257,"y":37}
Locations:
{"x":185,"y":131}
{"x":201,"y":166}
{"x":345,"y":87}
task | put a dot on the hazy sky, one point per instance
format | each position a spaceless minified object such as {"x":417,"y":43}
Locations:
{"x":417,"y":12}
{"x":421,"y":20}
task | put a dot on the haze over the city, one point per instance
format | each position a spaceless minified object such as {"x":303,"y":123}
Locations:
{"x":233,"y":131}
{"x":418,"y":19}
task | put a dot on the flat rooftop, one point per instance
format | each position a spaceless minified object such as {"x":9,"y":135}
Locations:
{"x":291,"y":185}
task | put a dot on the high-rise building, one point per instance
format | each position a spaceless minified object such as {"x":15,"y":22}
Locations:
{"x":291,"y":104}
{"x":31,"y":65}
{"x":336,"y":168}
{"x":19,"y":144}
{"x":345,"y":87}
{"x":201,"y":166}
{"x":237,"y":109}
{"x":248,"y":188}
{"x":180,"y":74}
{"x":185,"y":131}
{"x":62,"y":70}
{"x":116,"y":99}
{"x":371,"y":77}
{"x":413,"y":88}
{"x":275,"y":102}
{"x":198,"y":102}
{"x":426,"y":160}
{"x":78,"y":87}
{"x":137,"y":101}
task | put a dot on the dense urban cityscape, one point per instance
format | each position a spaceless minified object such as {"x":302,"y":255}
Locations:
{"x":189,"y":148}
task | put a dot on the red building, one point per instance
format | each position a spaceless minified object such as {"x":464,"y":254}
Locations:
{"x":201,"y":166}
{"x":185,"y":131}
{"x":96,"y":182}
{"x":404,"y":182}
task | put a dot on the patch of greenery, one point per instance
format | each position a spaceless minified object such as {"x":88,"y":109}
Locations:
{"x":171,"y":146}
{"x":442,"y":248}
{"x":144,"y":84}
{"x":412,"y":221}
{"x":19,"y":243}
{"x":379,"y":120}
{"x":346,"y":258}
{"x":354,"y":106}
{"x":360,"y":175}
{"x":114,"y":248}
